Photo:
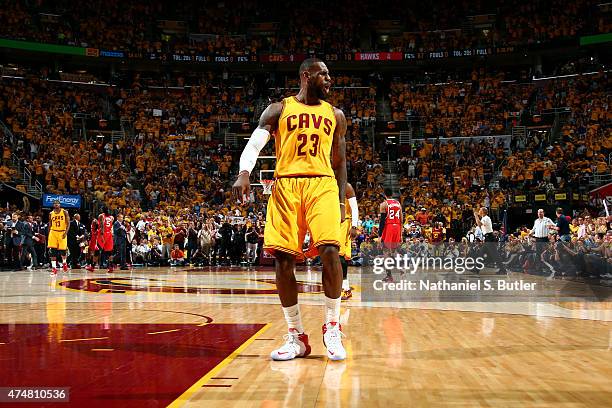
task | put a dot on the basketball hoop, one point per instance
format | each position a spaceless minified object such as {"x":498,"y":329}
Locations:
{"x":267,"y":186}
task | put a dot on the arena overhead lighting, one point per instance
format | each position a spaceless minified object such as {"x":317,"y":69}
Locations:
{"x":80,"y":82}
{"x":567,"y":76}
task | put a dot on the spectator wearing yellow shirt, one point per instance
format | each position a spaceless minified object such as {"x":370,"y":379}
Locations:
{"x":167,"y":240}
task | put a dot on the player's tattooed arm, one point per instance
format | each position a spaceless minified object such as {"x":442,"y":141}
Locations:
{"x":269,"y":117}
{"x":339,"y":158}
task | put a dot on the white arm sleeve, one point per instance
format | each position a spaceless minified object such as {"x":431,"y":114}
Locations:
{"x":258,"y":140}
{"x":354,"y":211}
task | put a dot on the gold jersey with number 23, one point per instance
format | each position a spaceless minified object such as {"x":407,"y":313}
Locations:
{"x":304,"y":139}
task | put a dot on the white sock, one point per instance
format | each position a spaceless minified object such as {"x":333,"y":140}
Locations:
{"x":345,"y":284}
{"x":332,"y":310}
{"x":293,"y":317}
{"x":54,"y":264}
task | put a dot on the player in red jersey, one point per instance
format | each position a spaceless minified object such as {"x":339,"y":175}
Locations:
{"x":93,"y":252}
{"x":437,"y":238}
{"x":105,"y":238}
{"x":391,"y":219}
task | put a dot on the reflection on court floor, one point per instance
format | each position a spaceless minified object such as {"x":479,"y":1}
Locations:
{"x":202,"y":337}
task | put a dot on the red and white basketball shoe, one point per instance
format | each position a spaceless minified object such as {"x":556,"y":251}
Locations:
{"x":332,"y":338}
{"x":65,"y":267}
{"x":296,"y":345}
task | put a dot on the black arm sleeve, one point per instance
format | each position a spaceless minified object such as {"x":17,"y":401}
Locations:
{"x":383,"y":218}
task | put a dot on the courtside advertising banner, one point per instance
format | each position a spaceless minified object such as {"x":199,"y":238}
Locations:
{"x":66,"y":201}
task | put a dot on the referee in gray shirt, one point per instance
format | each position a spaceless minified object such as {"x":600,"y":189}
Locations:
{"x":541,"y":227}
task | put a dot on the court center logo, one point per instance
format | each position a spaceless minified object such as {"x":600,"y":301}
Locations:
{"x":130,"y":285}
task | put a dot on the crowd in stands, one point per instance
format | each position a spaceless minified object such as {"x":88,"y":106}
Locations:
{"x":451,"y":176}
{"x":584,"y":250}
{"x":154,"y":238}
{"x":118,"y":174}
{"x":310,"y":28}
{"x":174,"y":165}
{"x":449,"y":179}
{"x":516,"y":23}
{"x":7,"y":173}
{"x":481,"y":106}
{"x":572,"y":246}
{"x":586,"y":138}
{"x":534,"y":164}
{"x":171,"y":163}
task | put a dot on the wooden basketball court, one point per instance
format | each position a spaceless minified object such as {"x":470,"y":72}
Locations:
{"x":202,"y":337}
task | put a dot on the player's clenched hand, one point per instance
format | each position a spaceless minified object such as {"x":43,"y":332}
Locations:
{"x":353,"y":232}
{"x":242,"y":187}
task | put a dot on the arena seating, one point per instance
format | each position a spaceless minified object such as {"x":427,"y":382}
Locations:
{"x":480,"y":106}
{"x":175,"y":164}
{"x":424,"y":27}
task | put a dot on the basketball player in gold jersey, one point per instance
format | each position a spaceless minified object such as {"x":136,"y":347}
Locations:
{"x":57,"y":241}
{"x":308,"y":195}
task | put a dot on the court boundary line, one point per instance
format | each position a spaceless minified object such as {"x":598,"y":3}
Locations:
{"x":187,"y":394}
{"x":346,"y":304}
